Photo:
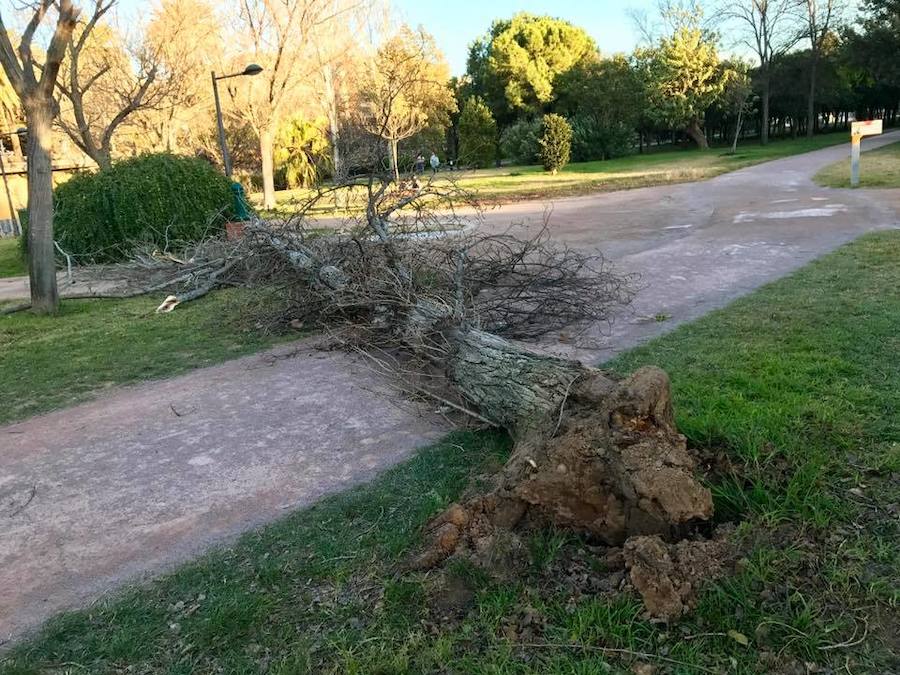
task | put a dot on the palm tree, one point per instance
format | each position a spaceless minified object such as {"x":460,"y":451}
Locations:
{"x":301,"y":149}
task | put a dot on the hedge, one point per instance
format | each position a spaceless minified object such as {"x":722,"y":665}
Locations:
{"x":153,"y":198}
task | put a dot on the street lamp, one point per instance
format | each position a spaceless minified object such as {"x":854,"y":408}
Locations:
{"x":252,"y":69}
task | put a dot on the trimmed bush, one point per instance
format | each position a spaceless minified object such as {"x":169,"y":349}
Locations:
{"x":593,"y":140}
{"x":477,"y":134}
{"x":520,"y":142}
{"x":154,"y":198}
{"x":556,"y":142}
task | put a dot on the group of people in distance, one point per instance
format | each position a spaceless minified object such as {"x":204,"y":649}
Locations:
{"x":419,"y":166}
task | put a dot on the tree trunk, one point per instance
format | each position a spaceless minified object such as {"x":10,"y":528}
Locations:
{"x":600,"y":456}
{"x":395,"y":164}
{"x":334,"y":127}
{"x":267,"y":153}
{"x":764,"y":113}
{"x":103,"y":158}
{"x":737,"y":129}
{"x":695,"y":131}
{"x":811,"y":102}
{"x":42,"y":260}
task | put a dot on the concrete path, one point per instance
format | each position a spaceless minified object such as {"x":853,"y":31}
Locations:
{"x":697,"y":246}
{"x":102,"y":493}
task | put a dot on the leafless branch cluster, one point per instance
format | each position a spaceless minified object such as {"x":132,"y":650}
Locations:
{"x":404,"y":274}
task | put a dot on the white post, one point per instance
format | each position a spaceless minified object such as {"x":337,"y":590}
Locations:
{"x":854,"y":160}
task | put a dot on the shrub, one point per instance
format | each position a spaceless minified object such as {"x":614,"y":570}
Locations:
{"x":521,"y":141}
{"x":154,"y":198}
{"x":556,"y":142}
{"x":477,"y":134}
{"x":592,"y":139}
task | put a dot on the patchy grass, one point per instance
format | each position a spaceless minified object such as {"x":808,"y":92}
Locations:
{"x":797,"y":387}
{"x":663,"y":167}
{"x":879,"y":168}
{"x":11,"y":263}
{"x":51,"y":362}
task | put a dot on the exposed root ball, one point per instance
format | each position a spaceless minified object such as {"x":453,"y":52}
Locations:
{"x":615,"y":468}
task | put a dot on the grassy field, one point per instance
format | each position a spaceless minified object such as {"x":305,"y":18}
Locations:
{"x":51,"y":362}
{"x":11,"y":263}
{"x":877,"y":169}
{"x":653,"y":168}
{"x":796,"y":390}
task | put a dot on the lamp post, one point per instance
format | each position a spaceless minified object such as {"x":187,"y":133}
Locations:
{"x":252,"y":69}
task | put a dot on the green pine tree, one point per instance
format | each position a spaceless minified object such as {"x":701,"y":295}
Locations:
{"x":556,"y":142}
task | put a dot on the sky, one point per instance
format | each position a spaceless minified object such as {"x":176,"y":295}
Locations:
{"x":456,"y":23}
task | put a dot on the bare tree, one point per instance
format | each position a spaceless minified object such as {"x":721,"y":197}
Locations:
{"x":339,"y":58}
{"x":35,"y":84}
{"x":820,"y":18}
{"x":771,"y":30}
{"x":280,"y":36}
{"x":187,"y":35}
{"x":105,"y":83}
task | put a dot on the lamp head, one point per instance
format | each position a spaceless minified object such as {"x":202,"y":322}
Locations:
{"x":252,"y":69}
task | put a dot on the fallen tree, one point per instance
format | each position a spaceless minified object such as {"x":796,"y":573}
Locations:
{"x":447,"y":311}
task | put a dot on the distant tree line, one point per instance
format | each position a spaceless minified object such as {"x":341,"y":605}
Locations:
{"x":344,"y":90}
{"x":814,"y":70}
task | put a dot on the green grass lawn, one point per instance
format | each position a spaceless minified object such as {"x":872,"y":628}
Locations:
{"x":878,"y":168}
{"x":652,"y":168}
{"x":51,"y":362}
{"x":11,"y":263}
{"x":796,"y":386}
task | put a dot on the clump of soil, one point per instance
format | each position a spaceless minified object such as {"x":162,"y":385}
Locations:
{"x":667,"y":576}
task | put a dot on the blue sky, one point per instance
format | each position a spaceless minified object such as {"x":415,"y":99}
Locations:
{"x":455,"y":23}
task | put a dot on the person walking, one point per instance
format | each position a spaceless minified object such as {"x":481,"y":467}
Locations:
{"x":435,"y":163}
{"x":419,"y":166}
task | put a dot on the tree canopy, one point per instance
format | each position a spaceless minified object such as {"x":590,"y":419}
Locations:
{"x":516,"y":64}
{"x":684,"y":78}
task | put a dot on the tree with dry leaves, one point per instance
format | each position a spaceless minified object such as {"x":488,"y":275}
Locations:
{"x":35,"y":83}
{"x":106,"y":81}
{"x":405,"y":90}
{"x":187,"y":36}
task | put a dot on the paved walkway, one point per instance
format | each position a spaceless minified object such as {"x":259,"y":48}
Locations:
{"x":147,"y":476}
{"x":697,"y":246}
{"x":102,"y":493}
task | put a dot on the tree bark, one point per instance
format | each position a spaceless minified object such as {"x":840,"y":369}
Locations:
{"x":764,"y":113}
{"x":42,"y":260}
{"x":811,"y":102}
{"x":695,"y":131}
{"x":267,"y":153}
